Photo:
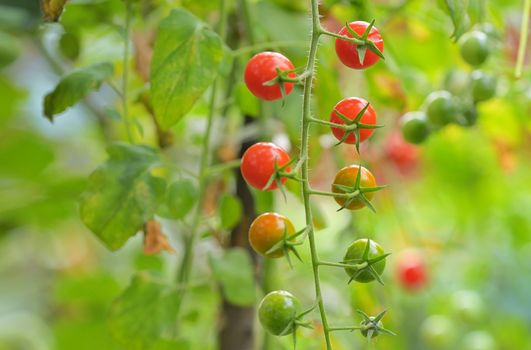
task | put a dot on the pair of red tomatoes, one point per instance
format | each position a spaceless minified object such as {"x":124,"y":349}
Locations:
{"x":263,"y":68}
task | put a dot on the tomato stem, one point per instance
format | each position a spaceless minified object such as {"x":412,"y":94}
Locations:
{"x":524,"y":29}
{"x":317,"y":30}
{"x":125,"y":73}
{"x":185,"y":267}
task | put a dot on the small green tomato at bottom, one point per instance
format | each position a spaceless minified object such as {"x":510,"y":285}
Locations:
{"x":368,"y":325}
{"x":355,"y":255}
{"x":277,"y":312}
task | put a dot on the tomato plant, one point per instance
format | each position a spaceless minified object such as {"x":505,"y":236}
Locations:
{"x":267,"y":230}
{"x":158,"y":110}
{"x":262,"y":69}
{"x":260,"y":162}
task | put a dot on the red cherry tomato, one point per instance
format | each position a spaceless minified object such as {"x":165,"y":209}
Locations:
{"x":347,"y":51}
{"x":411,"y":270}
{"x":261,"y":68}
{"x":350,"y":107}
{"x":258,"y":164}
{"x":403,"y":155}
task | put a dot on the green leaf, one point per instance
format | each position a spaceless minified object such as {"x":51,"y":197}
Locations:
{"x":186,"y":59}
{"x":234,"y":272}
{"x":143,"y":317}
{"x":180,"y":199}
{"x":122,"y":194}
{"x":457,"y":9}
{"x":230,"y":211}
{"x":74,"y":87}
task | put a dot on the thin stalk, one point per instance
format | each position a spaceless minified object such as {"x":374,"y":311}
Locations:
{"x":524,"y":30}
{"x":185,"y":267}
{"x":333,"y":329}
{"x":125,"y":74}
{"x":219,"y":168}
{"x":306,"y":119}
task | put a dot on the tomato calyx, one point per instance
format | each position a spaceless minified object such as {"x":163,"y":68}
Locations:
{"x":370,"y":327}
{"x":356,"y":192}
{"x":300,"y":322}
{"x":279,"y":173}
{"x":283,"y":77}
{"x":366,"y":43}
{"x":353,"y":126}
{"x":288,"y":243}
{"x":362,"y":42}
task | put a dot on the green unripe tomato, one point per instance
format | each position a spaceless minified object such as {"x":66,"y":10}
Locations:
{"x":441,"y":108}
{"x":483,"y":86}
{"x":367,"y":325}
{"x":437,"y":332}
{"x":277,"y":312}
{"x":354,"y":255}
{"x":478,"y":340}
{"x":414,"y":126}
{"x":457,"y":82}
{"x":468,"y":305}
{"x":469,"y":115}
{"x":474,"y":47}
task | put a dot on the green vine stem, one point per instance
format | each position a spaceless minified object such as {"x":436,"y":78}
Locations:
{"x":317,"y":30}
{"x":524,"y":31}
{"x":185,"y":267}
{"x":125,"y":69}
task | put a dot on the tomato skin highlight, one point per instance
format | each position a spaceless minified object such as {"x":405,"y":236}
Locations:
{"x":411,"y":271}
{"x":347,"y":177}
{"x":277,"y":312}
{"x":355,"y":252}
{"x":258,"y":164}
{"x":267,"y":230}
{"x":347,"y":52}
{"x":261,"y":68}
{"x":350,"y":107}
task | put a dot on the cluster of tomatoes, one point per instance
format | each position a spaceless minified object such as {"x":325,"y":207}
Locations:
{"x":266,"y":166}
{"x":457,"y":101}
